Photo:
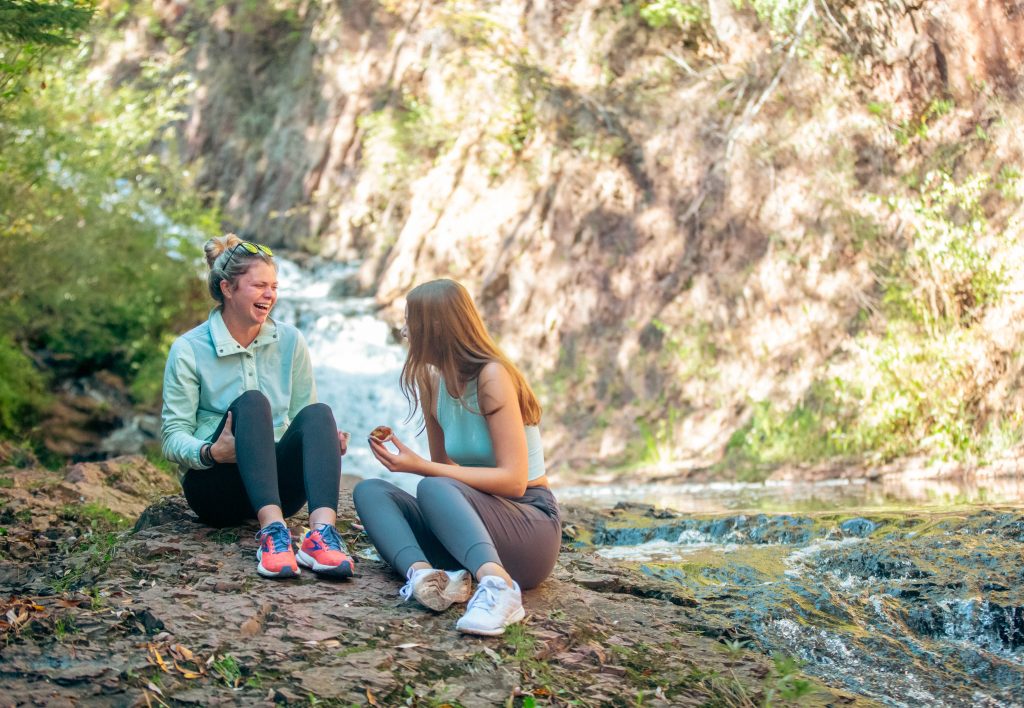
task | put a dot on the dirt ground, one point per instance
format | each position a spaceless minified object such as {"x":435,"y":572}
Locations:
{"x":95,"y":611}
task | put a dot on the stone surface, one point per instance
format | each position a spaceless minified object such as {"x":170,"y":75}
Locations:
{"x":162,"y":614}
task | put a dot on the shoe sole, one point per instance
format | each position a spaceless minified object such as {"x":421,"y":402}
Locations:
{"x":281,"y":574}
{"x":431,"y":592}
{"x":331,"y":571}
{"x":517,"y":616}
{"x":459,"y":590}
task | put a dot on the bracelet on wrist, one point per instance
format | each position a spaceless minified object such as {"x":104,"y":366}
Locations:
{"x":206,"y":455}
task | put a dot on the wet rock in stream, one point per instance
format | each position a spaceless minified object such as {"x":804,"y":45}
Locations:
{"x":900,"y":607}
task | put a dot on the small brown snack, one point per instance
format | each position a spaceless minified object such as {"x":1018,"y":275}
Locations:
{"x":381,"y":432}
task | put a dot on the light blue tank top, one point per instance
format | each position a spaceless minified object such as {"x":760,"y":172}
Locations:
{"x":467,"y":439}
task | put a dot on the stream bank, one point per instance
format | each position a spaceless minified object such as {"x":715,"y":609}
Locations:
{"x":169,"y":612}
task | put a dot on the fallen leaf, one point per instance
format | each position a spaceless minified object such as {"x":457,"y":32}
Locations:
{"x":154,"y":688}
{"x":409,"y":645}
{"x":156,"y":659}
{"x":251,"y":627}
{"x":370,"y":698}
{"x":183,"y":652}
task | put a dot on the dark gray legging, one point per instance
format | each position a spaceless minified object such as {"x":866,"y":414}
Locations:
{"x":304,"y":464}
{"x":451,"y":525}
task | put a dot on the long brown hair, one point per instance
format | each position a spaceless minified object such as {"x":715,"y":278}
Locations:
{"x":447,"y":333}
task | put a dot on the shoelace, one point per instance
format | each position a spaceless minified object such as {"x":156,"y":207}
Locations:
{"x":406,"y":591}
{"x":486,"y":596}
{"x":279,"y":536}
{"x":332,"y":539}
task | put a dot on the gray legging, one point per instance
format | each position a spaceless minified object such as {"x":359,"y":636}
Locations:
{"x":451,"y":525}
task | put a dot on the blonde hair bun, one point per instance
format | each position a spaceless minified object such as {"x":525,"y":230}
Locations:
{"x":216,"y":246}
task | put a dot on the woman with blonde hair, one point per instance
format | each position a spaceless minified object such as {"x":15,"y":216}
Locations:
{"x":241,"y":419}
{"x":484,"y":505}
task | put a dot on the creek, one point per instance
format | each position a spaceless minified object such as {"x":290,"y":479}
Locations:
{"x":905,"y":591}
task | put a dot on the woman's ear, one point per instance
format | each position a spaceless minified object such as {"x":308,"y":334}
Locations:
{"x":225,"y":289}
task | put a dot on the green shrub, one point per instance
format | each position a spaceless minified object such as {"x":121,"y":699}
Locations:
{"x":402,"y":138}
{"x":946,"y":275}
{"x":22,"y":389}
{"x":672,"y":13}
{"x":98,"y":229}
{"x":779,"y":15}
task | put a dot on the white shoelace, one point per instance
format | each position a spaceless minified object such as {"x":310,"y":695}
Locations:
{"x":486,"y":596}
{"x":406,"y":592}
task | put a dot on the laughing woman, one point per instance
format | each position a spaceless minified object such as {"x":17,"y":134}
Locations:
{"x":484,"y":505}
{"x":241,"y":419}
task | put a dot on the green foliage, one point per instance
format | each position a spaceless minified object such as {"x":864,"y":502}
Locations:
{"x":659,"y":438}
{"x":672,"y":13}
{"x":812,"y":431}
{"x":22,"y":389}
{"x":64,"y":626}
{"x":228,"y":669}
{"x":909,"y":382}
{"x":785,"y":681}
{"x":692,"y":349}
{"x":947,"y":275}
{"x":28,"y":29}
{"x":780,"y":15}
{"x":96,"y":517}
{"x":98,"y":231}
{"x":914,"y":128}
{"x":47,"y":23}
{"x":401,"y":137}
{"x":905,"y":394}
{"x":93,"y":553}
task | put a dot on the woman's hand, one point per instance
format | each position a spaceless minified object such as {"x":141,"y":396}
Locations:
{"x":343,"y":439}
{"x":223,"y":448}
{"x":405,"y":460}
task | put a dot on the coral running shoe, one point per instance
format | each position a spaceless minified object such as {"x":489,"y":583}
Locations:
{"x":275,"y":556}
{"x":324,"y":553}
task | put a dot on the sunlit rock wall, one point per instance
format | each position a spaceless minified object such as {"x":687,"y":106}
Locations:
{"x":661,"y":223}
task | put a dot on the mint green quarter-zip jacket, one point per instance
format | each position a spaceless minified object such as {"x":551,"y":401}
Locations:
{"x":207,"y":370}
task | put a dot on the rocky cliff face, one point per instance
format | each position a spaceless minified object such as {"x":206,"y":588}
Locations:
{"x":666,"y":218}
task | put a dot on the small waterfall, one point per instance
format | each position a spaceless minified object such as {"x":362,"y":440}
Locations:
{"x":356,"y":359}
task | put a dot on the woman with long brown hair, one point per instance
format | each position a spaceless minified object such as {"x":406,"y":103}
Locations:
{"x":484,"y":507}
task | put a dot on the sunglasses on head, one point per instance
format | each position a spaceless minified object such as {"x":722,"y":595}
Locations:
{"x":249,"y":246}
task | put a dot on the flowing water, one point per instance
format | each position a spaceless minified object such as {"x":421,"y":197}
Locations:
{"x":357,"y":360}
{"x":862,"y":581}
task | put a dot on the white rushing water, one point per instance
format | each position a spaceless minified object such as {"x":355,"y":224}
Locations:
{"x":356,"y":360}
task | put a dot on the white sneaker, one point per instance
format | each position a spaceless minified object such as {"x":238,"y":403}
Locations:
{"x":493,"y":607}
{"x":437,"y":589}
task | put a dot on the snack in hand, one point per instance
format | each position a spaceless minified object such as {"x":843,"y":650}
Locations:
{"x":381,"y":433}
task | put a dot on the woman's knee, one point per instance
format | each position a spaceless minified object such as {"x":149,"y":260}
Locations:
{"x":369,"y":492}
{"x":318,"y":414}
{"x":440,"y":494}
{"x":438,"y":488}
{"x":251,"y":400}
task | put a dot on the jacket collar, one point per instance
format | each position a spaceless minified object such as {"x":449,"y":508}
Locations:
{"x":226,"y":345}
